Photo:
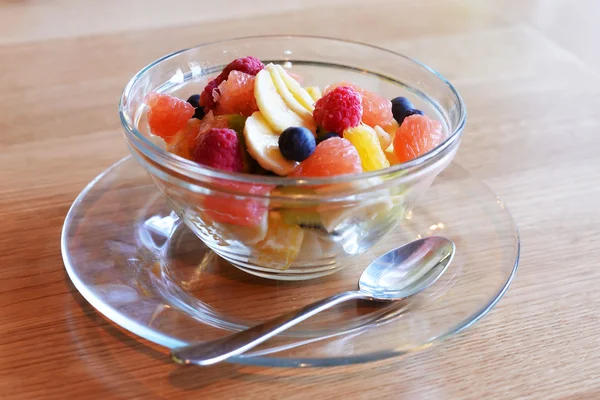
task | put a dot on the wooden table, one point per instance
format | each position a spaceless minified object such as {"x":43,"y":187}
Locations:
{"x":529,"y":72}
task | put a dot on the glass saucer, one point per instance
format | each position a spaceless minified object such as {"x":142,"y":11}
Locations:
{"x":131,"y":258}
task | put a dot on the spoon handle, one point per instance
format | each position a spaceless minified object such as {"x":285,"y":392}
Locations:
{"x":208,"y":353}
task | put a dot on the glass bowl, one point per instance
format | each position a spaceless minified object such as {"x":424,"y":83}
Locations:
{"x":288,"y":228}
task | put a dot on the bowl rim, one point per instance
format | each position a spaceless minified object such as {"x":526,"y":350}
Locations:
{"x":197,"y":171}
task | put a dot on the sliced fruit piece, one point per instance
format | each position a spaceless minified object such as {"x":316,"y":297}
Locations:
{"x":262,"y":143}
{"x":297,"y":90}
{"x":336,"y":216}
{"x":249,"y":163}
{"x":384,"y":138}
{"x":287,"y":95}
{"x":167,"y":114}
{"x":305,"y":217}
{"x":314,"y":92}
{"x":236,"y":95}
{"x":237,"y":208}
{"x":272,"y":106}
{"x":302,"y":218}
{"x":211,"y":121}
{"x":248,"y":235}
{"x":225,"y":232}
{"x":391,"y":156}
{"x":184,"y":142}
{"x":335,"y":156}
{"x":236,"y":122}
{"x":281,"y":245}
{"x":333,"y":216}
{"x":417,"y":135}
{"x":364,"y":138}
{"x":391,"y":128}
{"x":377,"y":110}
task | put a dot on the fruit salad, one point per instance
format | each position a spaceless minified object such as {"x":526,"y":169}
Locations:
{"x":259,"y":119}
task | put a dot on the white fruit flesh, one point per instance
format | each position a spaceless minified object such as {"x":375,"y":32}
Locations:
{"x":301,"y":95}
{"x":384,"y":138}
{"x":286,"y":95}
{"x":272,"y":106}
{"x":314,"y":92}
{"x":262,"y":143}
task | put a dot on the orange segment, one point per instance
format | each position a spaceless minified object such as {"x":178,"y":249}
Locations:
{"x":417,"y":135}
{"x":235,"y":208}
{"x":167,"y":114}
{"x":184,"y":142}
{"x":335,"y":156}
{"x":281,"y":245}
{"x":364,"y":138}
{"x":237,"y":95}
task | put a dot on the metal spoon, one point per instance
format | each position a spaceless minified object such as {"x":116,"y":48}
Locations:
{"x":396,"y":275}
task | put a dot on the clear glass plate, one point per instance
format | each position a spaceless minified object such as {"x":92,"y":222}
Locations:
{"x":131,"y":258}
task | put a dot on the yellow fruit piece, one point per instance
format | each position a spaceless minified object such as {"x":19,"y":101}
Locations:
{"x":183,"y":142}
{"x":364,"y":138}
{"x":298,"y":91}
{"x":384,"y":138}
{"x":314,"y":92}
{"x":287,"y":95}
{"x":273,"y":107}
{"x":391,"y":128}
{"x":281,"y":245}
{"x":262,"y":143}
{"x":391,"y":156}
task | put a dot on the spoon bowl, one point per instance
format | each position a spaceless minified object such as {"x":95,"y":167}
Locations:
{"x":396,"y":275}
{"x":407,"y":270}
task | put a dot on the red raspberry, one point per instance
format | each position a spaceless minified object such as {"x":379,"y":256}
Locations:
{"x":249,"y":65}
{"x":339,"y":109}
{"x":206,"y":97}
{"x":220,"y":148}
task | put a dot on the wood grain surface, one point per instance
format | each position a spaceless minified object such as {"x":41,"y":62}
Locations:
{"x":529,"y":72}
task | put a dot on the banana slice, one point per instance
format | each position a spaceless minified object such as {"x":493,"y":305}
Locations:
{"x":384,"y":138}
{"x":287,"y":95}
{"x":272,"y":106}
{"x":262,"y":143}
{"x":314,"y":92}
{"x":298,"y":91}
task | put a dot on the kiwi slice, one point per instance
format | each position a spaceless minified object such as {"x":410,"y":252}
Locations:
{"x":237,"y":122}
{"x":304,"y":219}
{"x":308,"y":217}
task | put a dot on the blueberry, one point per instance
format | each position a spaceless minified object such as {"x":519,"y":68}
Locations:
{"x":194,"y":100}
{"x":321,"y":137}
{"x":402,"y":108}
{"x":297,"y":143}
{"x":199,"y":113}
